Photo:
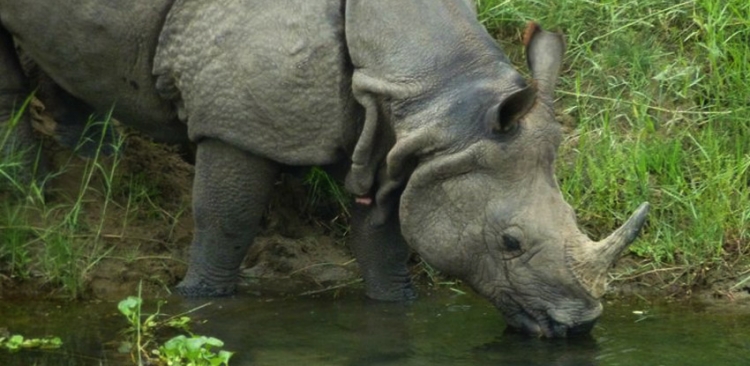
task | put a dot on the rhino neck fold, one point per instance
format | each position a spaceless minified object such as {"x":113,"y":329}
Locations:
{"x":424,"y":71}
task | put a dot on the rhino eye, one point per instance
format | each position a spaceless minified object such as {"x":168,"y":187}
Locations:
{"x":510,"y":243}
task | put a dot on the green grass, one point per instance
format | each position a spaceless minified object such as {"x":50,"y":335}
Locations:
{"x":58,"y":242}
{"x":322,"y":187}
{"x":52,"y":242}
{"x":656,"y":100}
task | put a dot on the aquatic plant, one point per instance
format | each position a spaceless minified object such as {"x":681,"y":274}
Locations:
{"x":194,"y":350}
{"x":143,"y":344}
{"x":17,"y":342}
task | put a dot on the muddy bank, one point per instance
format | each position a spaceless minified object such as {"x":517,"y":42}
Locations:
{"x":136,"y":213}
{"x":144,"y":235}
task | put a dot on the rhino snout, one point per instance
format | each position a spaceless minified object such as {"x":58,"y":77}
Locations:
{"x":557,"y":322}
{"x":548,"y":327}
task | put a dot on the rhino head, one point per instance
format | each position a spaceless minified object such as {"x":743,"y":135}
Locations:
{"x":473,"y":161}
{"x":493,"y":214}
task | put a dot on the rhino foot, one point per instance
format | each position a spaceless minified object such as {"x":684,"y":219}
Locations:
{"x":200,"y":288}
{"x":395,"y":293}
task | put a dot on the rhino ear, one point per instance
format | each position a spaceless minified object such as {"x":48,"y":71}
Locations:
{"x":544,"y":53}
{"x":503,"y":117}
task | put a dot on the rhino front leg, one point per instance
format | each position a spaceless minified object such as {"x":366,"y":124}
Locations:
{"x":230,"y":193}
{"x":18,"y":146}
{"x":382,"y":255}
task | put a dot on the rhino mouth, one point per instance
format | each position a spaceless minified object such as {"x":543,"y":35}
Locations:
{"x":535,"y":326}
{"x":538,"y":323}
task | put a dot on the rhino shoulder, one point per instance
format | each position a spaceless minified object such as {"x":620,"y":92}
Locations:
{"x":270,"y":77}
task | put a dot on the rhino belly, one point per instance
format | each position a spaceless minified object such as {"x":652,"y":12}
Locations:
{"x":268,"y":76}
{"x":100,"y":52}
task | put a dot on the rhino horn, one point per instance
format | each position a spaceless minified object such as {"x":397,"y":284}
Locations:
{"x":590,"y":261}
{"x":544,"y":53}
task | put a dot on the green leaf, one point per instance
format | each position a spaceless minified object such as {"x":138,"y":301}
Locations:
{"x":14,"y":343}
{"x":194,"y":345}
{"x":180,"y":322}
{"x":128,"y":306}
{"x":214,"y":342}
{"x":224,"y":356}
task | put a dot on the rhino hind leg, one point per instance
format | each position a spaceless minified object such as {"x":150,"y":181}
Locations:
{"x":78,"y":126}
{"x":230,"y":193}
{"x":382,"y":255}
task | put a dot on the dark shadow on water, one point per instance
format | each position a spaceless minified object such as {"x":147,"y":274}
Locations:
{"x":517,"y":349}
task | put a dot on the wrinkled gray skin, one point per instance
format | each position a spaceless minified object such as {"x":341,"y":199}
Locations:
{"x":447,"y":146}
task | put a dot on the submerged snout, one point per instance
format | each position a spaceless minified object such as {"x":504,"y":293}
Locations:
{"x":548,"y":327}
{"x":575,"y":321}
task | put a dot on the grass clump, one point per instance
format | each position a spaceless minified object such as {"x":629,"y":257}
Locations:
{"x":16,"y":168}
{"x":57,"y":242}
{"x":51,"y":241}
{"x":322,"y":187}
{"x":654,"y":96}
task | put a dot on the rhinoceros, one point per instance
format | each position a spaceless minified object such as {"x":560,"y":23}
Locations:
{"x":448,"y":149}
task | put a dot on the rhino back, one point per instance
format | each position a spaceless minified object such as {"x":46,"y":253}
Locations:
{"x":100,"y":52}
{"x":270,"y":77}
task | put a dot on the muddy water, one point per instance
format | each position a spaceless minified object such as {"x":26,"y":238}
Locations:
{"x":443,"y":329}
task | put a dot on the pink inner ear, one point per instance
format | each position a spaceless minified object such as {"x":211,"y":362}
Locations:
{"x":531,"y":28}
{"x":363,"y":200}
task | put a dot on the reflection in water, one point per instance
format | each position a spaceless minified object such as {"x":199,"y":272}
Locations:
{"x":307,"y":331}
{"x":380,"y":336}
{"x":443,"y":329}
{"x":578,"y":351}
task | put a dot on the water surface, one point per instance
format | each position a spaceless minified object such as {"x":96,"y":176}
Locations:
{"x":438,"y":329}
